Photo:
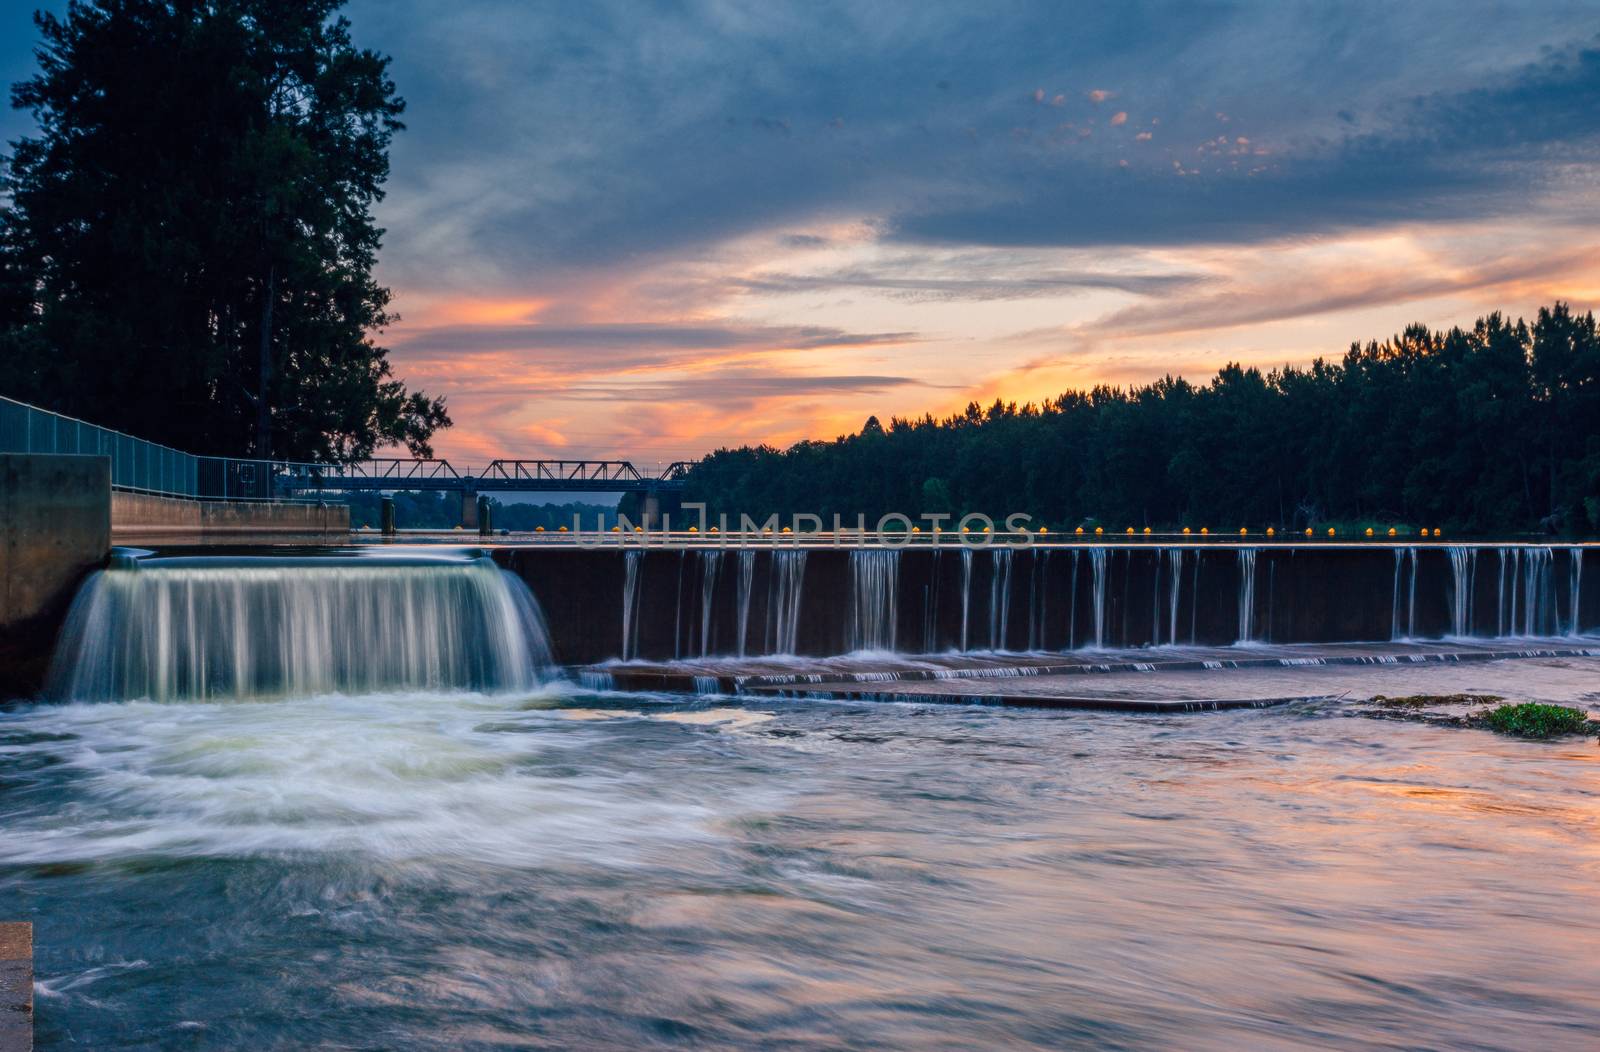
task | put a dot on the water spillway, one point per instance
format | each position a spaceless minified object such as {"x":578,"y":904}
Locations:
{"x":222,"y":628}
{"x":663,"y":604}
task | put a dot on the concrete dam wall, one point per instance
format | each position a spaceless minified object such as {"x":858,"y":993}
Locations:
{"x":659,"y":604}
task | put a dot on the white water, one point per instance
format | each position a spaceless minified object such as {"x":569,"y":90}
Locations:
{"x":240,"y":628}
{"x":1247,"y":594}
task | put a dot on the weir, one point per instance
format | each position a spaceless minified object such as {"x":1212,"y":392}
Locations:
{"x":668,"y":604}
{"x":230,"y":627}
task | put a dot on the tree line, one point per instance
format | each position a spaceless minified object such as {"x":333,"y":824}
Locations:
{"x":1491,"y":429}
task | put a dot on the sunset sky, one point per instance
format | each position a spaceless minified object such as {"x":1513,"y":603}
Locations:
{"x":648,"y":231}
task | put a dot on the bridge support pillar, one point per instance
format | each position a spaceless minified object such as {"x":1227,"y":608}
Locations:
{"x":386,"y":516}
{"x":485,"y":517}
{"x":652,"y":509}
{"x":469,"y":509}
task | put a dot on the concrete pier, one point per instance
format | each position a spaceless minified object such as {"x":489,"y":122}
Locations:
{"x":16,"y":987}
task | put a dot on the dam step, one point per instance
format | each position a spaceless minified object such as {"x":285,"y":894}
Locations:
{"x":865,"y":674}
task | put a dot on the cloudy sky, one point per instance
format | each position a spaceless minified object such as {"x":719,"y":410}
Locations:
{"x":617,"y":228}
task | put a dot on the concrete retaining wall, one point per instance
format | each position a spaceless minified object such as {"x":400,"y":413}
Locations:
{"x":139,"y":518}
{"x":55,"y":526}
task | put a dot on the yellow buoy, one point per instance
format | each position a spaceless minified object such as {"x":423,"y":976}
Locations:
{"x":787,"y":530}
{"x":1271,"y":531}
{"x":1147,"y":531}
{"x":1044,"y":529}
{"x":1099,"y":530}
{"x":1130,"y":530}
{"x":713,"y":529}
{"x":1243,"y":531}
{"x":1436,"y":531}
{"x":1204,"y":530}
{"x":638,"y":529}
{"x":615,"y":529}
{"x":916,"y":529}
{"x":563,"y":529}
{"x":694,"y":529}
{"x":1186,"y":531}
{"x":1330,"y":531}
{"x":1308,"y":531}
{"x":1369,"y":531}
{"x":1391,"y":531}
{"x":1079,"y":531}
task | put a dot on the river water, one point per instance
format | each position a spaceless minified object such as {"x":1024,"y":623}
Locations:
{"x":550,"y":868}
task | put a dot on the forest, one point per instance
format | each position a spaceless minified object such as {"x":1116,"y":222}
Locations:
{"x":1492,"y":429}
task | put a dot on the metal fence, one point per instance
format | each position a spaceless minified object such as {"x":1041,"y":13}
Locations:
{"x":148,"y":467}
{"x":135,"y":464}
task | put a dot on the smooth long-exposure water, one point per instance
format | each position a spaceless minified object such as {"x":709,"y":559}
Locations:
{"x":566,"y":870}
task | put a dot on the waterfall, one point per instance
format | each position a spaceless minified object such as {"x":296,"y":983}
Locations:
{"x":1036,"y":600}
{"x":1463,"y":575}
{"x":630,"y":603}
{"x":1401,"y":557}
{"x":875,"y":580}
{"x":1097,"y":563}
{"x":259,"y":627}
{"x":783,"y":600}
{"x":999,"y":597}
{"x":1247,"y":594}
{"x":1174,"y":591}
{"x":1506,"y":599}
{"x":1194,"y":601}
{"x":747,"y":572}
{"x":1575,"y":589}
{"x":966,"y":593}
{"x":710,"y":566}
{"x":1072,"y":604}
{"x":1538,"y":606}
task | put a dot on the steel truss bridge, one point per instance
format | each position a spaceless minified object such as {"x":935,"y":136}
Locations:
{"x":391,"y":474}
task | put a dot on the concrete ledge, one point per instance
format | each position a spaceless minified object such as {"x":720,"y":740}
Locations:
{"x":141,"y":518}
{"x":16,"y":987}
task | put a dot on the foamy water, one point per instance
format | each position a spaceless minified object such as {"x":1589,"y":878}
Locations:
{"x":416,"y":870}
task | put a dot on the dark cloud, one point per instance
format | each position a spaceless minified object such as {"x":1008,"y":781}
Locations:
{"x":1013,"y":283}
{"x":625,"y":345}
{"x":575,"y":137}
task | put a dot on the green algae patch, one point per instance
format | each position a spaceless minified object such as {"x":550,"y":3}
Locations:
{"x":1531,"y":720}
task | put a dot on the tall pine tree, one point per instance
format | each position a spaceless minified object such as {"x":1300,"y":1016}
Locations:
{"x":188,"y":248}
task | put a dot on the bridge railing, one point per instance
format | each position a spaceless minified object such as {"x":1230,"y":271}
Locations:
{"x":141,"y":466}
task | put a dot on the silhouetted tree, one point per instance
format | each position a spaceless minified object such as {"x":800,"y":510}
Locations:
{"x":188,"y":250}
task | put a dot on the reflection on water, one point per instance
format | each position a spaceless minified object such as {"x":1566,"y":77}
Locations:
{"x":481,"y":871}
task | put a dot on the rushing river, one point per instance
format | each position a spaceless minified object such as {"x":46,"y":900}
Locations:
{"x":556,"y":869}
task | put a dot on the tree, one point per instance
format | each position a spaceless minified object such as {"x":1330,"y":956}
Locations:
{"x":188,"y":251}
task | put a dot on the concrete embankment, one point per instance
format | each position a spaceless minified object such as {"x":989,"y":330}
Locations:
{"x":142,"y":518}
{"x":55,"y":526}
{"x":16,"y":987}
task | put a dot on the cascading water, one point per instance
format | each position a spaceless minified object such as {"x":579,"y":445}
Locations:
{"x":1175,"y":591}
{"x":1575,"y":590}
{"x":1463,"y":578}
{"x":747,"y":573}
{"x":1247,"y":594}
{"x":242,"y":627}
{"x":875,"y":578}
{"x":1097,"y":564}
{"x":966,"y":593}
{"x":1072,"y":604}
{"x":630,"y":603}
{"x":710,"y":567}
{"x":1402,"y":558}
{"x":783,"y":600}
{"x":999,"y":597}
